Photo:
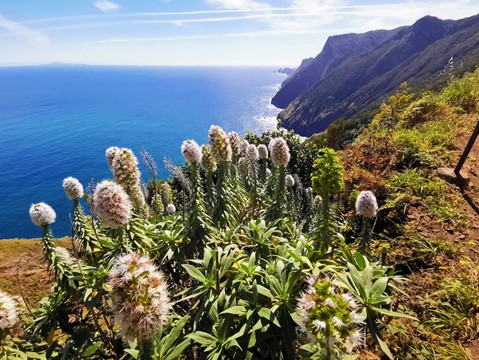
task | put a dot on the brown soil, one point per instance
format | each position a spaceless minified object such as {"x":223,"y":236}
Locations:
{"x":22,"y":269}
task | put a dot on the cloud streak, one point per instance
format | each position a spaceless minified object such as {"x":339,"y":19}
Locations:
{"x":106,"y":6}
{"x":20,"y":30}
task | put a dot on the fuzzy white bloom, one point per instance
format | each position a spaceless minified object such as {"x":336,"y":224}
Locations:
{"x":317,"y":201}
{"x":42,"y":214}
{"x":243,"y":166}
{"x":244,"y":145}
{"x":252,"y":152}
{"x":220,"y":144}
{"x":111,"y":204}
{"x":191,"y":151}
{"x":366,"y":204}
{"x":73,"y":188}
{"x":63,"y":253}
{"x":354,"y":340}
{"x":324,"y":315}
{"x":289,"y":181}
{"x":170,"y":209}
{"x":262,"y":151}
{"x":8,"y":312}
{"x":110,"y":154}
{"x":207,"y":161}
{"x":268,"y":173}
{"x":337,"y":321}
{"x":139,"y":297}
{"x":279,"y":149}
{"x":320,"y":325}
{"x":329,"y":302}
{"x":235,"y":143}
{"x":125,"y":167}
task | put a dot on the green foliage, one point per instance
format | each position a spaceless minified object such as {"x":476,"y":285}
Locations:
{"x":235,"y":260}
{"x":463,"y":93}
{"x":327,"y":179}
{"x":416,"y":183}
{"x":454,"y":309}
{"x":303,"y":153}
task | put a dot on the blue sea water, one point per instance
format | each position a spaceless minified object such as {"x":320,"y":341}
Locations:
{"x":57,"y":122}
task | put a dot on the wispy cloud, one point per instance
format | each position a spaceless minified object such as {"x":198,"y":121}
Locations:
{"x":23,"y":31}
{"x":106,"y":6}
{"x":238,"y":4}
{"x":229,"y":35}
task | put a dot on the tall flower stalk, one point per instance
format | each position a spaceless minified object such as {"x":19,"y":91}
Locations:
{"x":208,"y":163}
{"x":366,"y":207}
{"x":58,"y":262}
{"x":222,"y":153}
{"x":327,"y":180}
{"x":280,"y":157}
{"x":196,"y":222}
{"x":124,"y":166}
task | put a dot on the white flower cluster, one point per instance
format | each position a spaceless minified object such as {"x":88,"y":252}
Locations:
{"x":366,"y":204}
{"x":139,"y":297}
{"x":42,"y":214}
{"x":262,"y":151}
{"x":289,"y":181}
{"x":73,"y":188}
{"x":124,"y":166}
{"x":207,"y":161}
{"x":252,"y":152}
{"x":170,"y":209}
{"x":220,"y":144}
{"x":330,"y":318}
{"x":191,"y":151}
{"x":111,"y":204}
{"x":279,"y":150}
{"x":8,"y":312}
{"x":235,"y":143}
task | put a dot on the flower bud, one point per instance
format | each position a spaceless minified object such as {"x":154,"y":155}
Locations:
{"x":289,"y":181}
{"x":170,"y":209}
{"x":191,"y":151}
{"x":42,"y":214}
{"x":279,"y":152}
{"x":235,"y":143}
{"x":207,"y":161}
{"x":366,"y":204}
{"x":262,"y":151}
{"x":252,"y":153}
{"x":220,"y":144}
{"x":73,"y":188}
{"x":111,"y":204}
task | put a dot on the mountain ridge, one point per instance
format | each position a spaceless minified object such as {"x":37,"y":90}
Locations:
{"x":416,"y":54}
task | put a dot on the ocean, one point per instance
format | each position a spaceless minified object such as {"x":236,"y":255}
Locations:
{"x":57,"y":121}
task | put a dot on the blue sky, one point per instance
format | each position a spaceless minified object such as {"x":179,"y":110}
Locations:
{"x":196,"y":32}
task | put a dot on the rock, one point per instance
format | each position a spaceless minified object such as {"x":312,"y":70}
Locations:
{"x":450,"y":176}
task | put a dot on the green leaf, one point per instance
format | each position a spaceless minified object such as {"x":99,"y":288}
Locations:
{"x":202,"y":338}
{"x":235,"y":310}
{"x":392,"y":313}
{"x":92,"y":349}
{"x":267,"y":314}
{"x":194,"y":272}
{"x":33,"y":355}
{"x":168,"y":341}
{"x":177,"y":350}
{"x":379,"y":287}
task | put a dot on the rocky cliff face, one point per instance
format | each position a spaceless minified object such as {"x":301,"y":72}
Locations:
{"x":416,"y":54}
{"x":336,"y":50}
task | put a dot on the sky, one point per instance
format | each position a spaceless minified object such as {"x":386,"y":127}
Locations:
{"x":196,"y":32}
